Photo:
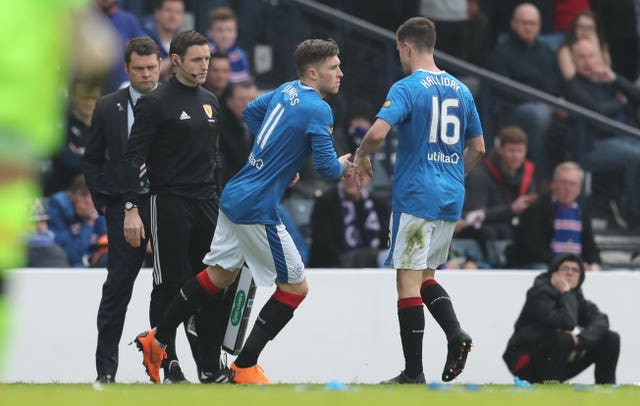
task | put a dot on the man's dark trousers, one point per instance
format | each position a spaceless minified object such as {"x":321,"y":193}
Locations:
{"x":123,"y":266}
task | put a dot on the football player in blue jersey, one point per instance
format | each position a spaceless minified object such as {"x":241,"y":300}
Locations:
{"x":291,"y":123}
{"x":439,"y":141}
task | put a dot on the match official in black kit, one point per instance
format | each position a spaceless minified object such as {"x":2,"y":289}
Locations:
{"x":110,"y":127}
{"x":175,"y":133}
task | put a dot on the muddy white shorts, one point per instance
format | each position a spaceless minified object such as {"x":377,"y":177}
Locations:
{"x":418,"y":243}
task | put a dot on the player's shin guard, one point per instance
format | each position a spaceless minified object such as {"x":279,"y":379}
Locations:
{"x":189,"y":299}
{"x":411,"y":318}
{"x":437,"y":300}
{"x":275,"y":314}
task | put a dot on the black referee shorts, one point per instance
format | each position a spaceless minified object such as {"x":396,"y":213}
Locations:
{"x":181,"y":229}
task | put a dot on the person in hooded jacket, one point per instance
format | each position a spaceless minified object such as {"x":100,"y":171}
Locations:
{"x":559,"y":333}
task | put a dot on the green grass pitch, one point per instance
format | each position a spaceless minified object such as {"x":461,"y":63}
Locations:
{"x":308,"y":395}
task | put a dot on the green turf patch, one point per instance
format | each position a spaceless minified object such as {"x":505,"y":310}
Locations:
{"x":333,"y":394}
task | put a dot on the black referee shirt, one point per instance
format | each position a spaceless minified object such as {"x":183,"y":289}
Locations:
{"x":175,"y":132}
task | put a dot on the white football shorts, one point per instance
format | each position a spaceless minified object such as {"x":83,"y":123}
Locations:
{"x":268,"y":250}
{"x":418,"y":243}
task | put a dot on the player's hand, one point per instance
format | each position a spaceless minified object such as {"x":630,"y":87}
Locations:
{"x":348,"y":167}
{"x":363,"y":168}
{"x":133,"y":227}
{"x":363,"y":163}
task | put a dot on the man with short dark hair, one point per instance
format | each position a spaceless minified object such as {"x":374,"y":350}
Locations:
{"x":439,"y":141}
{"x":498,"y":190}
{"x":218,"y":74}
{"x":291,"y":123}
{"x":175,"y":133}
{"x":110,"y":128}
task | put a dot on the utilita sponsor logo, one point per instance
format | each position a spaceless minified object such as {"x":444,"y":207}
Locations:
{"x":445,"y":159}
{"x":238,"y":305}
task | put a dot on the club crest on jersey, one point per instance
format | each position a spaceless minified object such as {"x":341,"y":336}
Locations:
{"x":330,"y":129}
{"x":386,"y":104}
{"x":208,"y":110}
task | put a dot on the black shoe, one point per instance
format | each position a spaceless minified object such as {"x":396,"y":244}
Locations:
{"x":173,"y":374}
{"x":458,"y":349}
{"x":222,"y":376}
{"x":105,"y":379}
{"x":402,"y":379}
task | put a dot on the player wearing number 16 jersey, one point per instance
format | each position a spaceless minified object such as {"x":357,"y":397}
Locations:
{"x":439,"y":141}
{"x":291,"y":124}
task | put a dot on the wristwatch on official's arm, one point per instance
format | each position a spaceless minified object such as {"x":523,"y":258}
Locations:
{"x":129,"y":205}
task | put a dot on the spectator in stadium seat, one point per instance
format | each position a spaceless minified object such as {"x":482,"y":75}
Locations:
{"x":167,"y":20}
{"x":43,"y":252}
{"x":564,"y":13}
{"x":500,"y":15}
{"x":523,"y":58}
{"x":127,"y":27}
{"x":554,"y":224}
{"x":222,"y":34}
{"x":585,"y":26}
{"x":560,"y":333}
{"x":498,"y":190}
{"x":75,"y":222}
{"x":218,"y":74}
{"x":349,"y":227}
{"x":359,"y":119}
{"x":67,"y":162}
{"x":236,"y":139}
{"x":598,"y":88}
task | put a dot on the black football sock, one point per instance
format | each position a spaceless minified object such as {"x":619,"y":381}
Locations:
{"x":275,"y":314}
{"x":189,"y":299}
{"x":411,"y":318}
{"x":439,"y":304}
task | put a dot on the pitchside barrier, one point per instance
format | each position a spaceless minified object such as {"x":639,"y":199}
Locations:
{"x":346,"y":329}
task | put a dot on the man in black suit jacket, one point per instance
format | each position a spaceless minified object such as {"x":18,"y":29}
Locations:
{"x":110,"y":128}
